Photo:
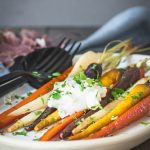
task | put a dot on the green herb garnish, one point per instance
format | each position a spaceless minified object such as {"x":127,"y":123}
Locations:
{"x":49,"y":76}
{"x":92,"y":119}
{"x":56,"y":94}
{"x":28,"y":110}
{"x":90,"y":82}
{"x":37,"y":113}
{"x":144,"y":123}
{"x":78,"y":123}
{"x":97,"y":107}
{"x":29,"y":93}
{"x":8,"y":101}
{"x":117,"y":93}
{"x":53,"y":119}
{"x":42,"y":99}
{"x":68,"y":93}
{"x":55,"y":74}
{"x":137,"y":95}
{"x":64,"y":84}
{"x":19,"y":97}
{"x":23,"y":133}
{"x":36,"y":139}
{"x":94,"y":66}
{"x":36,"y":74}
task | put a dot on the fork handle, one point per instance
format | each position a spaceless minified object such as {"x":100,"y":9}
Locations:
{"x":10,"y":76}
{"x":134,"y":22}
{"x":6,"y":88}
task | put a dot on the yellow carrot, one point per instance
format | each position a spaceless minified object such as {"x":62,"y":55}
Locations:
{"x":136,"y":94}
{"x":50,"y":119}
{"x":111,"y":77}
{"x":96,"y":116}
{"x":93,"y":118}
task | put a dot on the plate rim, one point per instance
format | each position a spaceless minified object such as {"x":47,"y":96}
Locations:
{"x":77,"y":143}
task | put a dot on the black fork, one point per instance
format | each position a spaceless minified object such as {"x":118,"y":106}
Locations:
{"x":47,"y":61}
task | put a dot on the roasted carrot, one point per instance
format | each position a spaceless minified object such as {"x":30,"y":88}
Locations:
{"x":129,"y":77}
{"x":5,"y":119}
{"x":136,"y":94}
{"x":25,"y":120}
{"x":133,"y":114}
{"x":111,"y":77}
{"x":60,"y":126}
{"x":99,"y":114}
{"x":50,"y":119}
{"x":45,"y":113}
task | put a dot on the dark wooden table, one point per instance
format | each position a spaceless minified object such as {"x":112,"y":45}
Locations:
{"x":57,"y":34}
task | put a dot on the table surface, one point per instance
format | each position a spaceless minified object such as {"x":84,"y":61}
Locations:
{"x":57,"y":34}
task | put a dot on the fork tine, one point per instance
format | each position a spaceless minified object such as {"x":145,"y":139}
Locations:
{"x":69,"y":60}
{"x":55,"y":58}
{"x":71,"y":47}
{"x":76,"y":50}
{"x":65,"y":60}
{"x":47,"y":59}
{"x":42,"y":55}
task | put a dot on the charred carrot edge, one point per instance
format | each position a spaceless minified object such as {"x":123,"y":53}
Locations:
{"x":60,"y":126}
{"x":133,"y":114}
{"x":142,"y":72}
{"x":50,"y":119}
{"x":45,"y":113}
{"x":6,"y":120}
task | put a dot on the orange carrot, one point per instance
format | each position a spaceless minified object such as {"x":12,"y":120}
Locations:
{"x":60,"y":126}
{"x":133,"y":114}
{"x":5,"y":119}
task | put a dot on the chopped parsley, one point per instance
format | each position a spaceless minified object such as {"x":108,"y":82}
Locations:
{"x":137,"y":95}
{"x":56,"y":94}
{"x":36,"y":139}
{"x":68,"y":93}
{"x":92,"y":119}
{"x":90,"y":82}
{"x":42,"y":99}
{"x":49,"y":76}
{"x":64,"y":84}
{"x":53,"y":119}
{"x":144,"y":123}
{"x":19,"y":97}
{"x":94,"y":66}
{"x":37,"y":113}
{"x":23,"y":133}
{"x":8,"y":101}
{"x":28,"y":110}
{"x":55,"y":74}
{"x":29,"y":93}
{"x":36,"y":74}
{"x":77,"y":123}
{"x":97,"y":107}
{"x":81,"y":79}
{"x":117,"y":93}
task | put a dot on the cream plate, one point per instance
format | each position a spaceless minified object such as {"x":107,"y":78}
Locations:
{"x":127,"y":138}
